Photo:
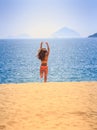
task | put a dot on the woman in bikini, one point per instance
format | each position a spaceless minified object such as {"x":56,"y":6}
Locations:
{"x":43,"y":55}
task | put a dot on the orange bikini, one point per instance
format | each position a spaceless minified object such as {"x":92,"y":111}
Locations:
{"x":44,"y":68}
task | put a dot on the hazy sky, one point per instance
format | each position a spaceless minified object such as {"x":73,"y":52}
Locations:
{"x":40,"y":18}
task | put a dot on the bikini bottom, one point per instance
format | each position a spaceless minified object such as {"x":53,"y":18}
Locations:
{"x":44,"y":69}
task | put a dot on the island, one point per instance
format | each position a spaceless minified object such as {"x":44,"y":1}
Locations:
{"x":93,"y":35}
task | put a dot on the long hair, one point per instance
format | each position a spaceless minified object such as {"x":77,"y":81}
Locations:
{"x":41,"y":54}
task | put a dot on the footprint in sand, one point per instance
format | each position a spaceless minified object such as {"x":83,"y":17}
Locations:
{"x":2,"y":127}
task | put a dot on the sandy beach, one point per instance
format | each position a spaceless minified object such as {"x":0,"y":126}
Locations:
{"x":48,"y":106}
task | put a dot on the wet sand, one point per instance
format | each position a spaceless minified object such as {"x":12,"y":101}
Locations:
{"x":48,"y":106}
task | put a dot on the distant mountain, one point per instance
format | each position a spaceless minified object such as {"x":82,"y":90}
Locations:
{"x":65,"y":33}
{"x":24,"y":36}
{"x":21,"y":36}
{"x":93,"y":35}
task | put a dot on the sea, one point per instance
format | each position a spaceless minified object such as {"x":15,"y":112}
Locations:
{"x":73,"y":59}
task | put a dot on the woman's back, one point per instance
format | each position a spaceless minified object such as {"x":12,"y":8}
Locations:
{"x":45,"y":60}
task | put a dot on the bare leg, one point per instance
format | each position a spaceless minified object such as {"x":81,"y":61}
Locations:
{"x":45,"y":77}
{"x":41,"y":74}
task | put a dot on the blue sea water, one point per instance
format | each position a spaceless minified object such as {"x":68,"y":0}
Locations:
{"x":69,"y":60}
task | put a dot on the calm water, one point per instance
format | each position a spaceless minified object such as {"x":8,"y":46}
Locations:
{"x":70,"y":60}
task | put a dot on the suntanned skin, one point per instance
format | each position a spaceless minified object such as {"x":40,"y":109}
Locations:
{"x":45,"y":60}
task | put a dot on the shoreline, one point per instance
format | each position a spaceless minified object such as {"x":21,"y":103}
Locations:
{"x":49,"y":82}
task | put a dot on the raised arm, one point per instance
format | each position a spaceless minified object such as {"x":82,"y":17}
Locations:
{"x":48,"y":48}
{"x":41,"y":45}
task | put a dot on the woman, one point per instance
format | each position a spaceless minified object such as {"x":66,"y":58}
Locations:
{"x":43,"y":55}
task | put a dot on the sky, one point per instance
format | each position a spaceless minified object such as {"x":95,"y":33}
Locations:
{"x":41,"y":18}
